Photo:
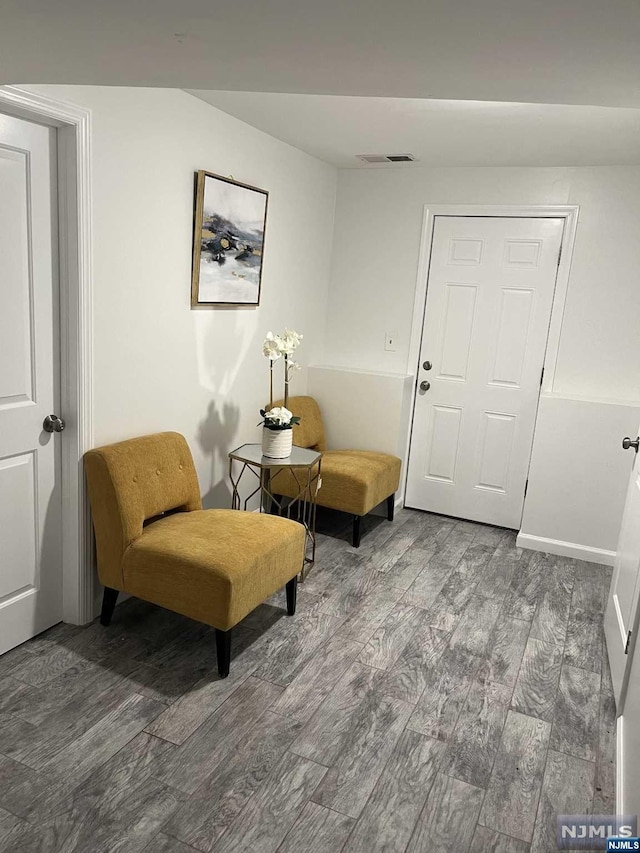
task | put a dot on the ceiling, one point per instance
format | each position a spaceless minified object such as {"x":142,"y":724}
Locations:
{"x":538,"y":51}
{"x":440,"y":133}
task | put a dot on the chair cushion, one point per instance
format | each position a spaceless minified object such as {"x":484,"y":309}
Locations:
{"x":353,"y":481}
{"x":213,"y":565}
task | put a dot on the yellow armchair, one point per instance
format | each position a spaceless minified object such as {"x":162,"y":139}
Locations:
{"x":156,"y":542}
{"x":353,"y":481}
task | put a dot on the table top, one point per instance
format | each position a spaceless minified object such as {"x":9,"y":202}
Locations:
{"x":252,"y":454}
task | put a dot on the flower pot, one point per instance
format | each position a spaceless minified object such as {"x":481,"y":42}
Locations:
{"x":276,"y":443}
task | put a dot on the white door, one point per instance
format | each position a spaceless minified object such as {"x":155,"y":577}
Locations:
{"x":490,"y":291}
{"x":622,"y":607}
{"x":30,"y":503}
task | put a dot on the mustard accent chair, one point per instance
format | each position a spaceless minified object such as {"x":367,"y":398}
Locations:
{"x":353,"y":481}
{"x":156,"y":542}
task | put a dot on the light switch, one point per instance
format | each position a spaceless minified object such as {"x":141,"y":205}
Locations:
{"x":390,"y":341}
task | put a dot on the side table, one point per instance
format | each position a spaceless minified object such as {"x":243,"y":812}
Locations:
{"x":304,"y":466}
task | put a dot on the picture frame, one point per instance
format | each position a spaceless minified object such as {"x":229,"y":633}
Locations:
{"x":230,"y":221}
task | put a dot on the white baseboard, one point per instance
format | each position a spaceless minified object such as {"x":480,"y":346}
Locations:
{"x":619,"y":765}
{"x":566,"y":549}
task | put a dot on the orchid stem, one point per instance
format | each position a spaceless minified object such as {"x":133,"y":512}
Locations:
{"x":270,"y":384}
{"x":286,"y":380}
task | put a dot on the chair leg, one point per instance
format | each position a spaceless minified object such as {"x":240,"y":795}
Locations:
{"x":108,"y":605}
{"x":223,"y":650}
{"x":356,"y":530}
{"x":391,"y":503}
{"x":292,"y":594}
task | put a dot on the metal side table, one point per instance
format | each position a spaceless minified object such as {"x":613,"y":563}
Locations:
{"x":304,"y":466}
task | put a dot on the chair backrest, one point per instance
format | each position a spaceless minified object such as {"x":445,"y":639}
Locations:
{"x":131,"y":482}
{"x":310,"y":431}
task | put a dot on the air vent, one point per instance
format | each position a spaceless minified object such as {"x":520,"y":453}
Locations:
{"x":386,"y":158}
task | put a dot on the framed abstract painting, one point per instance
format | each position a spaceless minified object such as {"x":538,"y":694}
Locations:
{"x":228,"y":242}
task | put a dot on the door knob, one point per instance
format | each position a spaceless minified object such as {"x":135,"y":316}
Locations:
{"x":424,"y":386}
{"x":52,"y":423}
{"x":627,"y":444}
{"x":427,"y":365}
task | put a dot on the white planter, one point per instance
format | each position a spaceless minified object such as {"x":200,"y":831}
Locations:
{"x":277,"y":443}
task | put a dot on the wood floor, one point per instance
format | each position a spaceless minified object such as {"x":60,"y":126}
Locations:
{"x":437,"y":690}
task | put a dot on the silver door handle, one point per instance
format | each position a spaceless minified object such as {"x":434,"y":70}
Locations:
{"x":52,"y":423}
{"x":424,"y":386}
{"x":627,"y":444}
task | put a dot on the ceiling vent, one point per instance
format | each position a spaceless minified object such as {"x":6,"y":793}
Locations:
{"x":386,"y":158}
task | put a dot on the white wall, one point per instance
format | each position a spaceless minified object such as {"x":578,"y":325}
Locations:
{"x":375,"y":264}
{"x":158,"y":364}
{"x":600,"y":345}
{"x":578,"y":477}
{"x":338,"y":391}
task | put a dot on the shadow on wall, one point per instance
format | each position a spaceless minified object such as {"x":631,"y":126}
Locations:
{"x":216,"y":437}
{"x":224,"y":341}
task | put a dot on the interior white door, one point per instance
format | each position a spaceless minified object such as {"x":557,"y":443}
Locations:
{"x":621,"y":616}
{"x":30,"y":494}
{"x":489,"y":297}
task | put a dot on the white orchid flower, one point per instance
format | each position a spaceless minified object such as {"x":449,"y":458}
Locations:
{"x":271,"y":347}
{"x":293,"y":366}
{"x":293,"y":336}
{"x":279,"y":415}
{"x":290,"y":341}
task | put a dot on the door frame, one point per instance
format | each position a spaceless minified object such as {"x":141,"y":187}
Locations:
{"x":73,"y":125}
{"x":568,"y":212}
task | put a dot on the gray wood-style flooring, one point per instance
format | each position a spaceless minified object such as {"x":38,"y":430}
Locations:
{"x":438,"y":689}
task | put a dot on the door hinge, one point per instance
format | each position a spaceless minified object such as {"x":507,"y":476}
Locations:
{"x":542,"y":376}
{"x":526,"y":486}
{"x":626,"y":648}
{"x":559,"y":255}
